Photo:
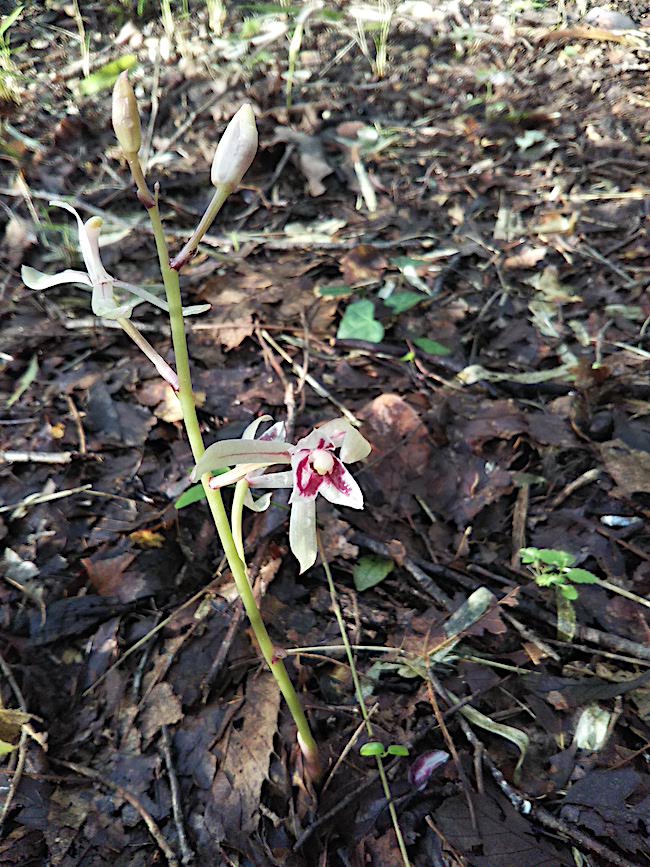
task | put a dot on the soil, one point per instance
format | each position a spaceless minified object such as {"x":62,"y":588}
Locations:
{"x":451,"y":249}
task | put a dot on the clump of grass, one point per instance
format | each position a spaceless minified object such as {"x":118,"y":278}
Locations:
{"x":8,"y":74}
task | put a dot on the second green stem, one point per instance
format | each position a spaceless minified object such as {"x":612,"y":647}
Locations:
{"x":214,"y":499}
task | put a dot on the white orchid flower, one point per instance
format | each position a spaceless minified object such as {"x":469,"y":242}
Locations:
{"x":315,"y":469}
{"x":96,"y":277}
{"x":102,"y":286}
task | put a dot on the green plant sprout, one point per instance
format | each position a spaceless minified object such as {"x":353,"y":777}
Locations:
{"x":216,"y":15}
{"x":296,"y":42}
{"x":316,"y":461}
{"x":376,"y":748}
{"x":555,"y":568}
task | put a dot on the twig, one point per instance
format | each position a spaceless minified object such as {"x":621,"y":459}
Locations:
{"x":36,"y":499}
{"x":529,"y":635}
{"x":130,"y":798}
{"x":74,"y":412}
{"x":351,"y":742}
{"x":37,"y":457}
{"x":585,"y":479}
{"x":519,"y":520}
{"x":187,"y":856}
{"x":362,"y":704}
{"x":300,"y":372}
{"x":224,"y":648}
{"x":451,"y":746}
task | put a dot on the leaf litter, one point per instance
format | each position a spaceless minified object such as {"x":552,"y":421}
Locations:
{"x":488,"y":328}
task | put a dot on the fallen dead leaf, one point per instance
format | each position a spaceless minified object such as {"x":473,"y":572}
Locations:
{"x":147,"y":538}
{"x":526,"y":257}
{"x":107,"y":574}
{"x":311,"y":157}
{"x":335,"y":534}
{"x":162,"y":707}
{"x":167,"y":406}
{"x":238,"y":784}
{"x":629,"y":467}
{"x":362,"y":265}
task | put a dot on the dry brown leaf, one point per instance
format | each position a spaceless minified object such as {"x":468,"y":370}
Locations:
{"x":335,"y":535}
{"x":630,"y":468}
{"x":159,"y":395}
{"x":18,"y":238}
{"x":527,"y":257}
{"x":363,"y":264}
{"x":233,"y":327}
{"x":555,"y":223}
{"x":162,"y":707}
{"x":11,"y":724}
{"x":107,"y":574}
{"x":311,"y":157}
{"x":147,"y":538}
{"x":238,"y":784}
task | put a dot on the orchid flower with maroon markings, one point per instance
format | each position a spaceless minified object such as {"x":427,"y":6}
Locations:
{"x":315,"y":469}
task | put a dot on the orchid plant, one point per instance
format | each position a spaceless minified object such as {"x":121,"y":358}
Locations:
{"x":317,"y":461}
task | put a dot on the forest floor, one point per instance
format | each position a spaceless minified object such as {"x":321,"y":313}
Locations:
{"x":450,"y":247}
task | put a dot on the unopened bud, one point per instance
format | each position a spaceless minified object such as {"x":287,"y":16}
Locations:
{"x":236,"y":150}
{"x":126,"y":118}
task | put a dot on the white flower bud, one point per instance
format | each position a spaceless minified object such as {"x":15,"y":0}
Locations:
{"x":236,"y":150}
{"x":126,"y":117}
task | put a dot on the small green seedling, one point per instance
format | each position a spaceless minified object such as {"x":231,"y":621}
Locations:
{"x":553,"y":568}
{"x":377,"y":749}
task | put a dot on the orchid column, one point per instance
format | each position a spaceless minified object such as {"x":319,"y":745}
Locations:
{"x":233,"y":157}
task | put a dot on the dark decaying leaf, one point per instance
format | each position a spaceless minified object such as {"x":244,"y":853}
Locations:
{"x":233,"y":809}
{"x":504,"y":837}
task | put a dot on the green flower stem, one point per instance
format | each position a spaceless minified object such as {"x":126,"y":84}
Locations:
{"x":215,"y":502}
{"x":154,"y":357}
{"x":144,"y":193}
{"x":216,"y":203}
{"x":236,"y":515}
{"x":362,"y":704}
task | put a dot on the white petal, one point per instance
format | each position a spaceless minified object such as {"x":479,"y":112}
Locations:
{"x":86,"y":250}
{"x":348,"y":492}
{"x":354,"y":447}
{"x":251,"y":430}
{"x":259,"y":505}
{"x":145,"y":295}
{"x":88,"y":243}
{"x":104,"y":305}
{"x":37,"y":280}
{"x":277,"y":431}
{"x":235,"y":475}
{"x":302,"y":532}
{"x":314,"y":440}
{"x":228,"y":453}
{"x":271,"y":480}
